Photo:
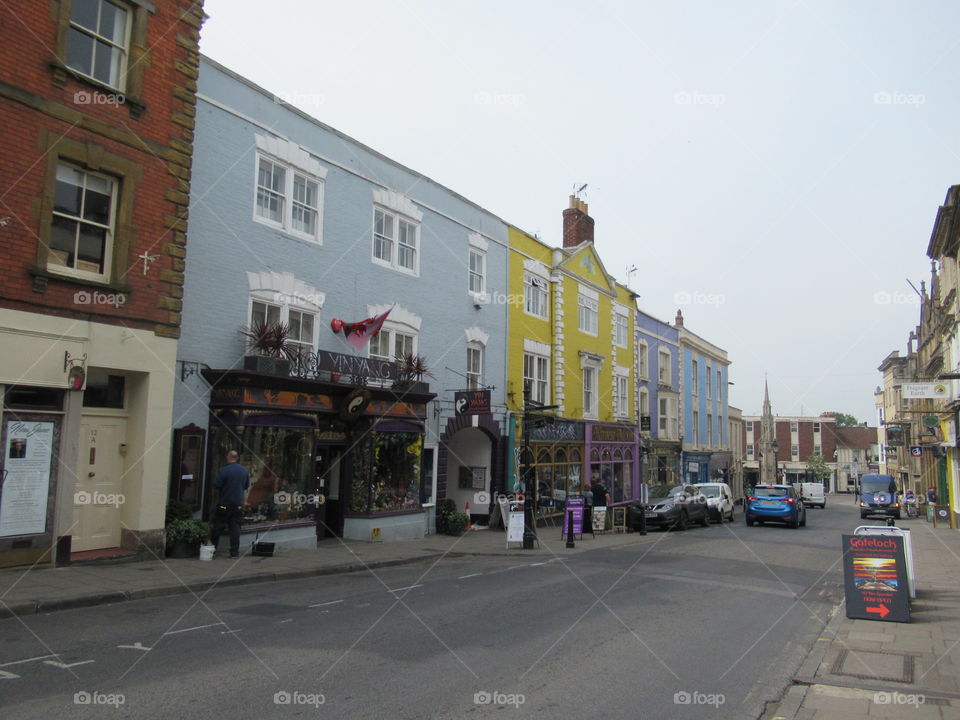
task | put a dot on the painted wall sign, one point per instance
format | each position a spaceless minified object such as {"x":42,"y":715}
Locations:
{"x":471,"y":402}
{"x":607,"y":433}
{"x":560,"y":431}
{"x":875,"y":578}
{"x":26,"y":478}
{"x":354,"y":365}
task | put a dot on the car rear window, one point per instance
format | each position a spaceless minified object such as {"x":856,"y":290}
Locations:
{"x":771,"y":492}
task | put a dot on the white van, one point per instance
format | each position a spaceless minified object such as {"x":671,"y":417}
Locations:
{"x":719,"y":500}
{"x":812,"y":494}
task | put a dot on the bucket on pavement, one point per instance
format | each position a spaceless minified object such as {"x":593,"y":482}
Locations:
{"x":206,"y":552}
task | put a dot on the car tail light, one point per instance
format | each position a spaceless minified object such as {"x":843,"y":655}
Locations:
{"x":790,"y":500}
{"x":752,"y":499}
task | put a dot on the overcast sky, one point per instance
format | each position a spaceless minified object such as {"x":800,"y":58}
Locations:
{"x":771,"y":168}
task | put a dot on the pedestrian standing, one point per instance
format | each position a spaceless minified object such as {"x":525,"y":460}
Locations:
{"x":932,"y":495}
{"x":231,"y":483}
{"x":601,"y":495}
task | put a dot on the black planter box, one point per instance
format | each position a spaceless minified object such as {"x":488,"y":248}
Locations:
{"x":266,"y":365}
{"x":263,"y":549}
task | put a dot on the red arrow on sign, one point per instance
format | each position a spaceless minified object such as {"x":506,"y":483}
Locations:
{"x":880,"y":610}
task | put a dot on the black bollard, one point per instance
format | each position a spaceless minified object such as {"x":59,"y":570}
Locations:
{"x":570,"y":529}
{"x":643,"y":519}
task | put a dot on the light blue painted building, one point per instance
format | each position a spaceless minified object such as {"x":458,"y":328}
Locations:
{"x":658,"y":397}
{"x":292,"y":221}
{"x":706,"y":451}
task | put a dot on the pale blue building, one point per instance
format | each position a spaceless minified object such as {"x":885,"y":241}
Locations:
{"x":658,"y":398}
{"x":294,"y":222}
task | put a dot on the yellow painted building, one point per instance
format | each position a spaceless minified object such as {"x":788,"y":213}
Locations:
{"x":571,"y":337}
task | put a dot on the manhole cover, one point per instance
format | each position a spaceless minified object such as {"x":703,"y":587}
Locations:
{"x":871,"y":665}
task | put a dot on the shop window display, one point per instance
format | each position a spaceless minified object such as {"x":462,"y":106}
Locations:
{"x":283,"y":486}
{"x":387,"y":473}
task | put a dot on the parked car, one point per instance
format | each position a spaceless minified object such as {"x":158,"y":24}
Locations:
{"x":879,"y":496}
{"x":775,"y":503}
{"x":671,"y":506}
{"x":812,"y":494}
{"x":719,"y":500}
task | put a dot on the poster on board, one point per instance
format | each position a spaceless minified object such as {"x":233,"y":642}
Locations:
{"x":875,"y":578}
{"x":25,"y":485}
{"x":515,"y":527}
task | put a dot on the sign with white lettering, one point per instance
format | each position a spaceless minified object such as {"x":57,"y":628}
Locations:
{"x":875,"y":578}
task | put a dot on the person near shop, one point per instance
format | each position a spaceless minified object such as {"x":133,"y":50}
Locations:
{"x":932,"y":495}
{"x":601,"y":494}
{"x":231,"y":484}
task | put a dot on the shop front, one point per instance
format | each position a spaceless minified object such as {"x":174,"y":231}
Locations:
{"x":613,"y":453}
{"x":558,"y":465}
{"x":696,"y":467}
{"x":662,"y":464}
{"x":326,"y":459}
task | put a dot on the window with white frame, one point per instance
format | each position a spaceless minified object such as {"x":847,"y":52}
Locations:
{"x":816,"y":427}
{"x":477,"y":273}
{"x":622,"y":398}
{"x":281,"y":298}
{"x":719,"y":386}
{"x":695,"y":377}
{"x":696,"y":427}
{"x":620,"y":327}
{"x":750,"y":451}
{"x":392,"y":343}
{"x":588,"y":316}
{"x":817,"y":450}
{"x":709,"y":429}
{"x":98,"y":41}
{"x":395,"y":241}
{"x":589,"y":392}
{"x":664,"y":372}
{"x":793,"y":426}
{"x":535,"y":295}
{"x":83,"y":223}
{"x":536,"y":371}
{"x":643,"y":402}
{"x":667,"y":420}
{"x":748,"y":425}
{"x":709,"y":383}
{"x":643,"y":359}
{"x":474,"y":366}
{"x":795,"y":451}
{"x":289,"y":188}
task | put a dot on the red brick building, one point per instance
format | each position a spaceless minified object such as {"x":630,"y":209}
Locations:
{"x":97,"y":102}
{"x":798,"y":438}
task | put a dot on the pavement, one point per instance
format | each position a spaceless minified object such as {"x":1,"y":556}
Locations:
{"x":856,"y":668}
{"x":879,"y":669}
{"x":43,"y":588}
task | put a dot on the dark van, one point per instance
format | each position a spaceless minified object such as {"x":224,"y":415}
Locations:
{"x":879,"y":496}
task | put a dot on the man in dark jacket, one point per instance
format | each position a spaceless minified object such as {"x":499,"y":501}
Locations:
{"x":231,"y":483}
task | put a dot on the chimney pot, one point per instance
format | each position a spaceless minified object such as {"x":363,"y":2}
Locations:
{"x":679,"y":319}
{"x":577,"y":224}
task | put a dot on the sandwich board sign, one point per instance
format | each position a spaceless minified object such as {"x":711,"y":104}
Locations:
{"x":875,"y":578}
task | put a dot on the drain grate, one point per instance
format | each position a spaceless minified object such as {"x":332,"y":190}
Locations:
{"x":872,"y":665}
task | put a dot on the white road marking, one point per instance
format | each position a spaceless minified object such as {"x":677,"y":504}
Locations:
{"x":198,"y":627}
{"x":21,"y":662}
{"x":514,"y":567}
{"x":229,"y":632}
{"x":411,"y":587}
{"x":4,"y":675}
{"x":135,"y":646}
{"x":57,"y":663}
{"x":535,"y":564}
{"x":464,"y":577}
{"x":332,"y":602}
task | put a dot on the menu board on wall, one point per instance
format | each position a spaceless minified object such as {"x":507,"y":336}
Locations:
{"x":26,"y":477}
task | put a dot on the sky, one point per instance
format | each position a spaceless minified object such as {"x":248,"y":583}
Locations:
{"x":772,"y":168}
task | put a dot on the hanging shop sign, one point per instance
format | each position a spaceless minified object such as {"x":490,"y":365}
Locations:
{"x":875,"y":578}
{"x":912,"y":391}
{"x":471,"y":402}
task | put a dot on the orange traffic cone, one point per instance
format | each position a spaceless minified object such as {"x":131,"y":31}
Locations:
{"x":469,"y":524}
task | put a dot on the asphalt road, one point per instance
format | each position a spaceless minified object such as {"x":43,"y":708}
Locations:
{"x":707,"y":623}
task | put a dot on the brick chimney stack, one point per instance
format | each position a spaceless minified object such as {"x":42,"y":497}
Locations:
{"x":678,"y":321}
{"x":577,"y":224}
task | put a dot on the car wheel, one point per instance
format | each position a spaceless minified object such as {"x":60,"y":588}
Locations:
{"x":731,"y":515}
{"x":705,"y":520}
{"x":795,"y":523}
{"x":803,"y":523}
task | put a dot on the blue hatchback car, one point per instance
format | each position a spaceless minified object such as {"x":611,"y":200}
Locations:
{"x":775,"y":503}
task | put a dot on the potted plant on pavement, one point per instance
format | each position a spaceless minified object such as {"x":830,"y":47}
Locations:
{"x":270,"y":350}
{"x":183,"y":533}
